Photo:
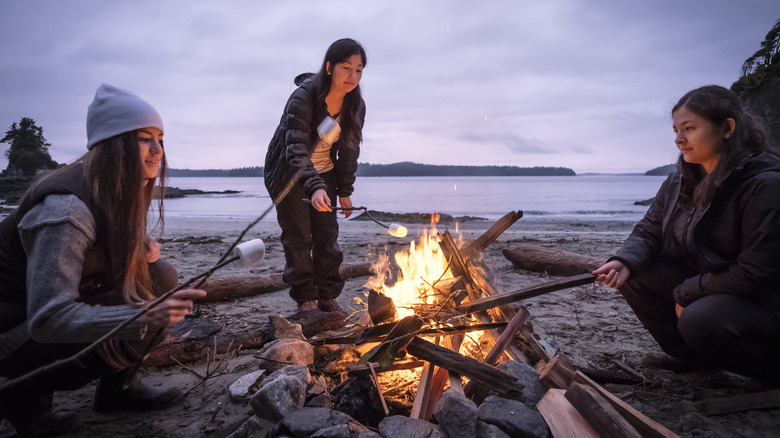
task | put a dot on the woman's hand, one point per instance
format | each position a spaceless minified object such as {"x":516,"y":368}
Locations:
{"x":152,"y":250}
{"x":320,"y":201}
{"x":345,"y":202}
{"x":612,"y":274}
{"x":173,"y":309}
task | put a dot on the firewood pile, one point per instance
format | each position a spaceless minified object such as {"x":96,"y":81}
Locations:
{"x":459,"y":362}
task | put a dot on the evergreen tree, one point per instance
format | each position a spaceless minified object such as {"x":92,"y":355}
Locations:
{"x":29,"y":151}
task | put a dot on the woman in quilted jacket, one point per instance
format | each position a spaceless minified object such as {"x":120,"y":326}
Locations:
{"x":324,"y":162}
{"x":701,"y":269}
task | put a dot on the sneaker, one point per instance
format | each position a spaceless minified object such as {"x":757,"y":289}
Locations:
{"x":330,"y":306}
{"x":307,"y":306}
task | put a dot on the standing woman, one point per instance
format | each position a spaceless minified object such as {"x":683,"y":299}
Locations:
{"x":76,"y":262}
{"x":327,"y":163}
{"x":701,"y":270}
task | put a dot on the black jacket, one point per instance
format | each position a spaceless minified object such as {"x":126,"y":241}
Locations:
{"x":295,"y":139}
{"x":733,"y":244}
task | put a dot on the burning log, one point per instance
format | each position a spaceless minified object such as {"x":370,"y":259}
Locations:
{"x":247,"y":284}
{"x":487,"y":375}
{"x":380,"y":307}
{"x":552,"y":261}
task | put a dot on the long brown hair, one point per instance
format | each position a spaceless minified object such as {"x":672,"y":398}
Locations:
{"x":120,"y":199}
{"x":717,"y":104}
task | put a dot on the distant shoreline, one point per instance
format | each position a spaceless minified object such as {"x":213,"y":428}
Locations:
{"x":396,"y":169}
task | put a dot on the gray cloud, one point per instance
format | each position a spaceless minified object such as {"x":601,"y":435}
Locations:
{"x":586,"y":85}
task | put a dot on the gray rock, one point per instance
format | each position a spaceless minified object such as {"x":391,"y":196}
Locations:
{"x":300,"y":372}
{"x":253,"y":427}
{"x":399,"y":426}
{"x":305,"y":422}
{"x":277,"y":398}
{"x":513,"y":417}
{"x":486,"y":430}
{"x":456,"y":415}
{"x":526,"y":375}
{"x":282,"y":328}
{"x":282,"y":352}
{"x":337,"y":431}
{"x":320,"y":401}
{"x":245,"y":386}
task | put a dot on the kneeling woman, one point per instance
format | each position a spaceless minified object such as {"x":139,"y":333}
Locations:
{"x":701,"y":269}
{"x":75,"y":262}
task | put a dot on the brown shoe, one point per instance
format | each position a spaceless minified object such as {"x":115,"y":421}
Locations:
{"x":330,"y":306}
{"x":306,"y":306}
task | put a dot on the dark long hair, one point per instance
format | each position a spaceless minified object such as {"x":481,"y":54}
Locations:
{"x":716,"y":104}
{"x":340,"y":51}
{"x":120,"y":199}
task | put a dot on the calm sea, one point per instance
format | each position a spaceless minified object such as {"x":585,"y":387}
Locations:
{"x":587,"y":197}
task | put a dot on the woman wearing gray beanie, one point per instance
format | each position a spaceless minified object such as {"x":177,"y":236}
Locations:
{"x":76,"y":262}
{"x":326,"y":163}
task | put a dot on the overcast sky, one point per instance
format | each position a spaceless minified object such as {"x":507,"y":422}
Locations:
{"x":583,"y":84}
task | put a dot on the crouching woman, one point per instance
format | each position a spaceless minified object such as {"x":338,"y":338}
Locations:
{"x":76,"y":262}
{"x":701,"y":270}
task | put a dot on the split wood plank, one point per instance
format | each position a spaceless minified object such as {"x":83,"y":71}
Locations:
{"x":423,"y":389}
{"x":646,"y":426}
{"x":537,"y":258}
{"x":562,"y":418}
{"x":556,"y":373}
{"x":522,"y":294}
{"x":599,"y":413}
{"x":740,"y":403}
{"x":247,"y":285}
{"x":490,"y":376}
{"x":491,"y":234}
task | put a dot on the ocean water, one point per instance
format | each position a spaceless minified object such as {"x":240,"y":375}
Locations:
{"x":586,"y":197}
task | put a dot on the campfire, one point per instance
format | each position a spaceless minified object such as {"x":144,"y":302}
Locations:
{"x":435,"y":312}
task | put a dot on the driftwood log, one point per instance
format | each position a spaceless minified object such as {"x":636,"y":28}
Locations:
{"x":740,"y":403}
{"x":538,"y":258}
{"x":194,"y":339}
{"x":247,"y":284}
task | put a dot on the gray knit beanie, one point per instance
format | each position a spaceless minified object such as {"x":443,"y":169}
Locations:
{"x":115,"y":111}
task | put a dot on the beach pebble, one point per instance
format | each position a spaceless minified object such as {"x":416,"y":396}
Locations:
{"x":245,"y":386}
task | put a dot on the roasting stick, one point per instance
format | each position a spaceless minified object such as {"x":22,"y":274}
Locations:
{"x":394,"y":229}
{"x":522,"y":294}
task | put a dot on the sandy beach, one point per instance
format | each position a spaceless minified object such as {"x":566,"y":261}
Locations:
{"x":591,"y":326}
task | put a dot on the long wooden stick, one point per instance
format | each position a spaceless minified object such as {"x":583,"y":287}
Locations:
{"x":522,"y":294}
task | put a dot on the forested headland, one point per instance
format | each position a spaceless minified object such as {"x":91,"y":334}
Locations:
{"x":401,"y":169}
